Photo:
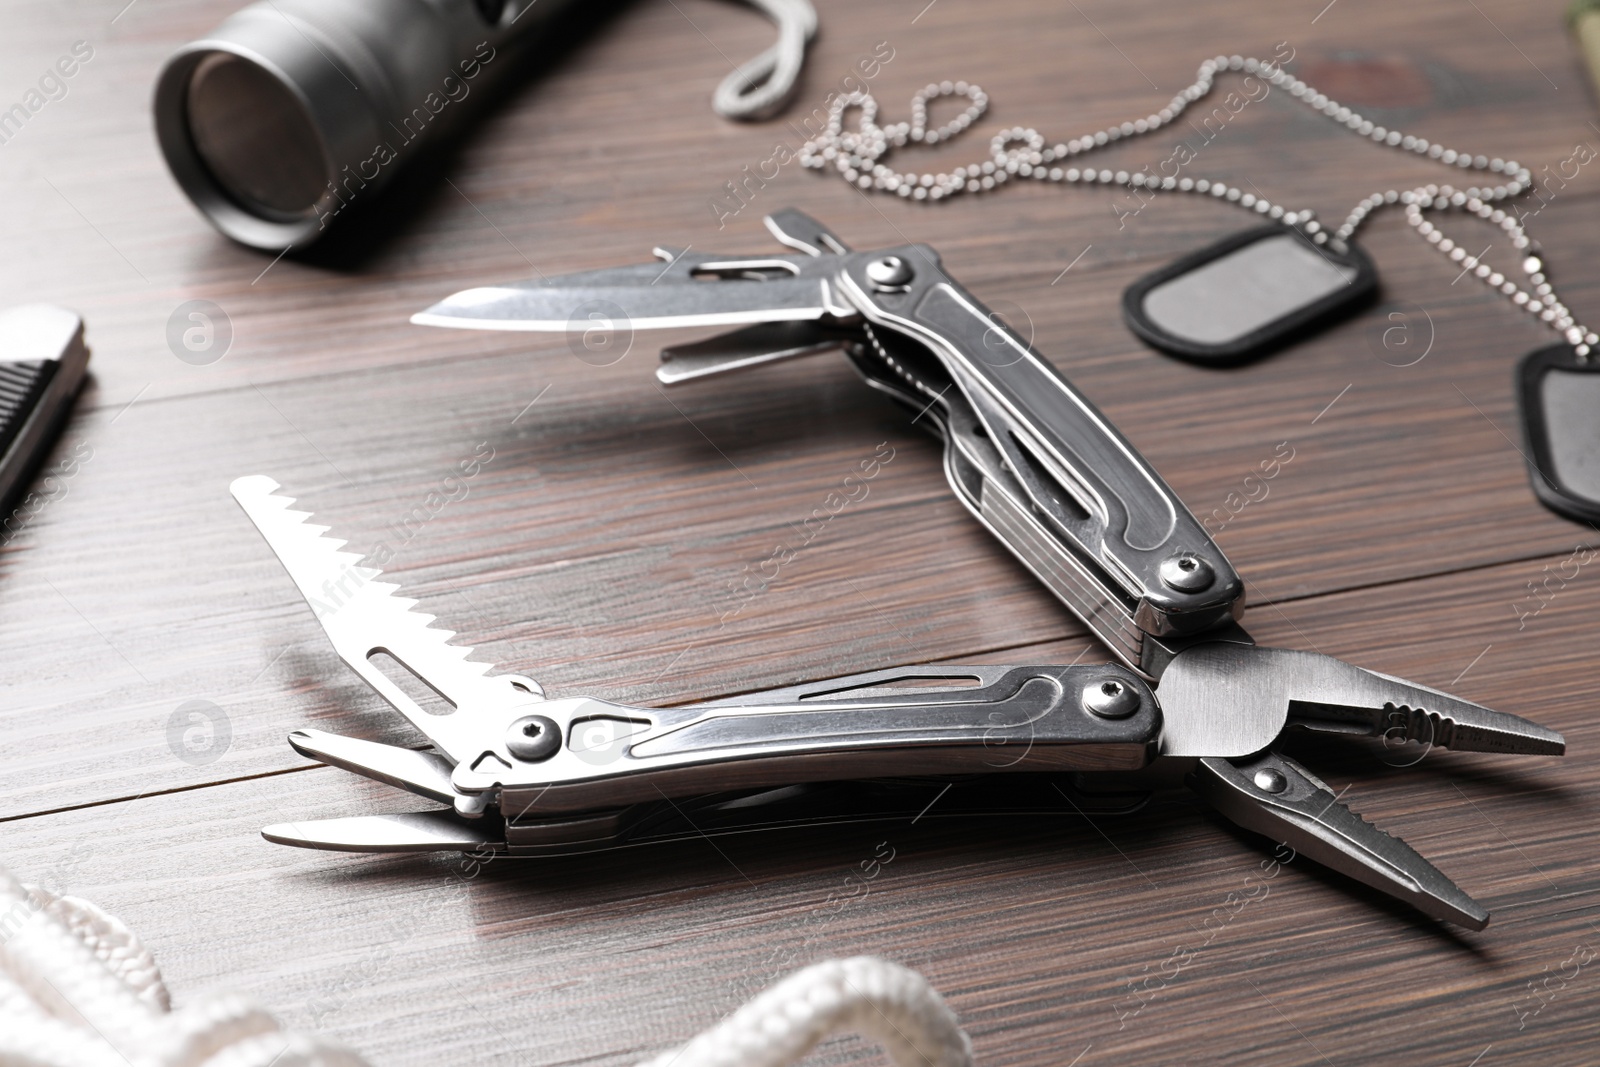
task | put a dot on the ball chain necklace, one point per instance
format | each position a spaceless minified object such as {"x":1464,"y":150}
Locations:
{"x":1022,"y":153}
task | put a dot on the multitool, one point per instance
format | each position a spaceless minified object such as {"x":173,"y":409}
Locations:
{"x":1193,"y":700}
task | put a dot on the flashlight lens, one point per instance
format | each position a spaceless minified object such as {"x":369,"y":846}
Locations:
{"x":255,"y":137}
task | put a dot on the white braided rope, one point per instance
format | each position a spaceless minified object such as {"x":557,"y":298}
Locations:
{"x":759,"y":87}
{"x":873,"y":997}
{"x":78,"y":989}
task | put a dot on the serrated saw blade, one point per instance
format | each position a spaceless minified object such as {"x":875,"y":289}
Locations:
{"x":363,"y":616}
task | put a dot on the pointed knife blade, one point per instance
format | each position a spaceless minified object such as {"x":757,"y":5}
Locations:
{"x":363,"y":616}
{"x":646,"y":297}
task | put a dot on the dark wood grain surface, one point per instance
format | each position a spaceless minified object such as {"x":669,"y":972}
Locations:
{"x":596,"y":549}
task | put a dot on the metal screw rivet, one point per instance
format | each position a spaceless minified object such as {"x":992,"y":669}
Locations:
{"x":1110,"y":699}
{"x":890,"y":272}
{"x":533,"y":738}
{"x":1187,"y":573}
{"x":1271,"y":781}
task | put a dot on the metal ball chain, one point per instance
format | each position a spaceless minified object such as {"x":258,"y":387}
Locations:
{"x":1021,"y":152}
{"x":1541,"y":302}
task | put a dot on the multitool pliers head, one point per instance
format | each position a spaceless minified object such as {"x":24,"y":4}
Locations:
{"x":1193,"y":699}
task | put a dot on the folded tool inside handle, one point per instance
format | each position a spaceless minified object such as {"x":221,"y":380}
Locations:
{"x":1078,"y":475}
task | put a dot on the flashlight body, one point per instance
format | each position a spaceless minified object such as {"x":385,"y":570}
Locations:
{"x":293,"y":111}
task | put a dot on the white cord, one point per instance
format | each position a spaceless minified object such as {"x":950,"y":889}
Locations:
{"x":873,"y":997}
{"x":78,"y":989}
{"x":761,"y":86}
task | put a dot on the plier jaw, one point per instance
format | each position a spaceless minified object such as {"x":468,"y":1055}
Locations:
{"x":1273,"y":795}
{"x":1241,"y":692}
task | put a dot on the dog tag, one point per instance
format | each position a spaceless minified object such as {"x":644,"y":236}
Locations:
{"x":1560,"y":397}
{"x":1247,"y":295}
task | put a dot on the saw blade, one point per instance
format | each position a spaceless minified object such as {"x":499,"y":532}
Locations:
{"x":363,"y":617}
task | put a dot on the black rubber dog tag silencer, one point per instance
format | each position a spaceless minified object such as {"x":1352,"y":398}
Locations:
{"x":1559,"y":391}
{"x":1249,"y":294}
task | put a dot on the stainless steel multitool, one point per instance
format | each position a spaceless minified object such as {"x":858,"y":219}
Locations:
{"x":1194,"y":700}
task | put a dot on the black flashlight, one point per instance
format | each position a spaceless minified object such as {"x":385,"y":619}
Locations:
{"x":292,"y":111}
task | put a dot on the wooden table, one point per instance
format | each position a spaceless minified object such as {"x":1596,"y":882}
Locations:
{"x":597,"y":548}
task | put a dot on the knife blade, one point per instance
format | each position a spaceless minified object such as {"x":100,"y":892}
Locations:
{"x":630,"y":299}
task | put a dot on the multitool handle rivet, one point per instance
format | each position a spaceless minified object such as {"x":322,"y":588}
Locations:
{"x":1269,"y":780}
{"x":533,"y":738}
{"x":1187,"y":573}
{"x":890,"y":272}
{"x":1111,"y":698}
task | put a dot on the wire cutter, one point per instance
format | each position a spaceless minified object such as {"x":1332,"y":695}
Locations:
{"x":1193,"y":701}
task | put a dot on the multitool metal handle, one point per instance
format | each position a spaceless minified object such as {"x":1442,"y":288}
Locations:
{"x":1047,"y":472}
{"x":581,"y":756}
